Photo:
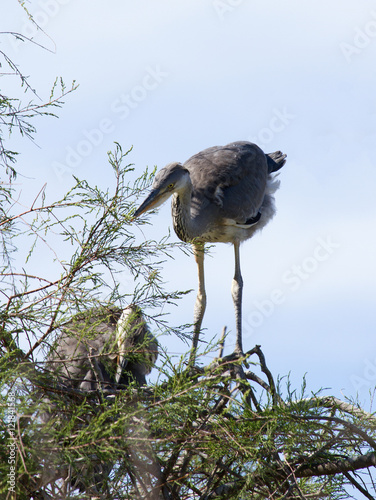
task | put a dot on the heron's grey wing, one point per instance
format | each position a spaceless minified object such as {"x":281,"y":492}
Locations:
{"x":232,"y":178}
{"x":92,"y":333}
{"x":67,"y":360}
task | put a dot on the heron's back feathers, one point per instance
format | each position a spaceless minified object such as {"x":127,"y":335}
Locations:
{"x":232,"y":183}
{"x":228,"y":181}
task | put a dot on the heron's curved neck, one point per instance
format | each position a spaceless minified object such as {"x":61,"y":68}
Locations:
{"x":184,"y":225}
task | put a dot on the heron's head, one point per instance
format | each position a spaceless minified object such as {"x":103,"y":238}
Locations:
{"x":171,"y":179}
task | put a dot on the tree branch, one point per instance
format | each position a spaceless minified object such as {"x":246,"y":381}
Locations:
{"x":338,"y":466}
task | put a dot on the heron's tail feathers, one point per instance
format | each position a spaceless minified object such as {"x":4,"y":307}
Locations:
{"x":276,"y":161}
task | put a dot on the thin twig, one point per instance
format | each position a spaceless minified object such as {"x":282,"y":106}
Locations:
{"x":222,"y":342}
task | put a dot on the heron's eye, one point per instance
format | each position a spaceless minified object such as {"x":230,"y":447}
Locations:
{"x":170,"y":186}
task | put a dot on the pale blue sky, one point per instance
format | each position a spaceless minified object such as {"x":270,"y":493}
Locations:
{"x":172,"y":78}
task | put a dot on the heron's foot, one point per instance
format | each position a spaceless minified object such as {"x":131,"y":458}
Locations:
{"x":238,"y":350}
{"x":239,"y":355}
{"x":233,"y":357}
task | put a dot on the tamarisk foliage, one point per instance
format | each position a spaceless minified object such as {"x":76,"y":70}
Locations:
{"x":16,"y":115}
{"x":87,"y":248}
{"x":225,"y":430}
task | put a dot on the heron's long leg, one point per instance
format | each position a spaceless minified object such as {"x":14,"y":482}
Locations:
{"x":237,"y":292}
{"x":200,"y":304}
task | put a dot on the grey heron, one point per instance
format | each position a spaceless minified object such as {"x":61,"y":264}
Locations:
{"x":222,"y":194}
{"x":106,"y":347}
{"x":103,"y":349}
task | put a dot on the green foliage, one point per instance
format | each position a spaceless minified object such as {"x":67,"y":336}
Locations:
{"x":195,"y":435}
{"x":226,"y":430}
{"x":93,"y":228}
{"x":221,"y":431}
{"x":16,"y":115}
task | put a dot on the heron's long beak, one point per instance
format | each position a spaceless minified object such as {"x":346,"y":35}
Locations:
{"x":154,"y":199}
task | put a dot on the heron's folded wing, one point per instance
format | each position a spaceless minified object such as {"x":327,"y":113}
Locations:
{"x":231,"y":177}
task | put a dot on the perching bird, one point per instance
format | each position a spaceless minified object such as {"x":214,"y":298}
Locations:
{"x":222,"y":194}
{"x":105,"y":348}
